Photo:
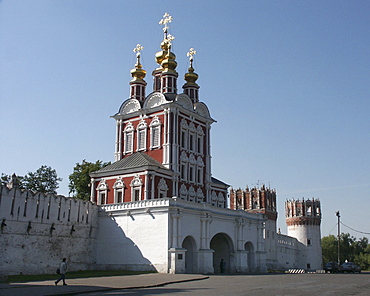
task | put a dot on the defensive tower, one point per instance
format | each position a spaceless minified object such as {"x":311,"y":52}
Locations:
{"x":303,"y":219}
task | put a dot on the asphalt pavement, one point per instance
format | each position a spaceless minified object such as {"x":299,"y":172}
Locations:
{"x":95,"y":284}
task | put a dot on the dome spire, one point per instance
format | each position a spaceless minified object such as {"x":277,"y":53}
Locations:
{"x":191,"y":88}
{"x":138,"y":74}
{"x":165,"y":77}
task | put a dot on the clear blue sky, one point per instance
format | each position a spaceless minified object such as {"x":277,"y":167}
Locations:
{"x":287,"y":81}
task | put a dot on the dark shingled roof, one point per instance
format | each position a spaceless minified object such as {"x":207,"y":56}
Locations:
{"x":214,"y":180}
{"x":137,"y":159}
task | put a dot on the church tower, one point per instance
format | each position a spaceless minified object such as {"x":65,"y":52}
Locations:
{"x":162,"y":147}
{"x":303,"y":219}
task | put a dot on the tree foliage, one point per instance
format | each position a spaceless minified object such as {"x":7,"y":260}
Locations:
{"x":44,"y":180}
{"x":79,"y":180}
{"x":351,"y":249}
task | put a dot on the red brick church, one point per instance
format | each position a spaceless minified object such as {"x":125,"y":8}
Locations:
{"x":162,"y":140}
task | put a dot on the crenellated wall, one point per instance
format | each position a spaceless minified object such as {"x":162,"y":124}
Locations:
{"x":38,"y":230}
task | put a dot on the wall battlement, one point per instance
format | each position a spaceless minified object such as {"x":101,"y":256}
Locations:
{"x":23,"y":205}
{"x":303,"y":212}
{"x":37,"y":225}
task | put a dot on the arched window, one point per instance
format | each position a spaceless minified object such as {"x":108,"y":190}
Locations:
{"x":141,"y":135}
{"x":102,"y":192}
{"x":192,"y":170}
{"x":119,"y":187}
{"x":136,"y":186}
{"x":128,"y":138}
{"x":155,"y":133}
{"x":184,"y":134}
{"x":192,"y":137}
{"x":184,"y":166}
{"x":200,"y":170}
{"x":200,"y":137}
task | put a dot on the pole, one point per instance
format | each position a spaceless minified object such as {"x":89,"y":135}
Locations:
{"x":338,"y":215}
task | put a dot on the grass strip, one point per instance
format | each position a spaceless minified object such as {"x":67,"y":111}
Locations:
{"x":71,"y":275}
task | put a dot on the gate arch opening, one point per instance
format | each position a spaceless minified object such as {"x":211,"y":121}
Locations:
{"x":191,"y":262}
{"x":223,"y":248}
{"x":250,"y":256}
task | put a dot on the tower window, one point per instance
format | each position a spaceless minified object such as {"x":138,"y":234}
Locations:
{"x":128,"y":138}
{"x":199,"y":176}
{"x":136,"y":194}
{"x":155,"y":137}
{"x":141,"y":138}
{"x":191,"y":173}
{"x":191,"y":142}
{"x":102,"y":192}
{"x":155,"y":133}
{"x":102,"y":198}
{"x":136,"y":185}
{"x":183,"y":171}
{"x":119,"y":196}
{"x":183,"y":139}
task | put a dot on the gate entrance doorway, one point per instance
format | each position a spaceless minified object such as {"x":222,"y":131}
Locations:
{"x":223,"y":249}
{"x":191,"y":265}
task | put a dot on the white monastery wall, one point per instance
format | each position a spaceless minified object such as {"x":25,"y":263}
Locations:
{"x":38,"y":230}
{"x":155,"y":234}
{"x":289,"y":252}
{"x":164,"y":235}
{"x":270,"y":243}
{"x":133,"y":238}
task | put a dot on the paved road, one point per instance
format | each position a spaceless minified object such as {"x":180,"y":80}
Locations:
{"x":266,"y":285}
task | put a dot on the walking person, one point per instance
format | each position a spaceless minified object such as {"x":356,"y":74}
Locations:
{"x":62,"y":271}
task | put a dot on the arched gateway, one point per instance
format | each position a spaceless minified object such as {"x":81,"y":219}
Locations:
{"x":223,"y":248}
{"x":191,"y":265}
{"x":250,"y":256}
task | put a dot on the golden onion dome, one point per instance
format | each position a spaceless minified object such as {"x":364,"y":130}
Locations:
{"x":168,"y":63}
{"x":191,"y":76}
{"x":138,"y":73}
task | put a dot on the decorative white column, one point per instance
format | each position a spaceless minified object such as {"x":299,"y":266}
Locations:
{"x":176,"y":253}
{"x":241,"y":255}
{"x":205,"y":254}
{"x":175,"y":229}
{"x":204,"y":236}
{"x":166,"y":144}
{"x":152,"y":185}
{"x":92,"y":190}
{"x":261,"y":253}
{"x":118,"y":150}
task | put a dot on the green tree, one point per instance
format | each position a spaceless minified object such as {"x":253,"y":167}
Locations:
{"x":329,"y":246}
{"x":5,"y":179}
{"x":44,"y":179}
{"x":79,"y":180}
{"x":351,"y":249}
